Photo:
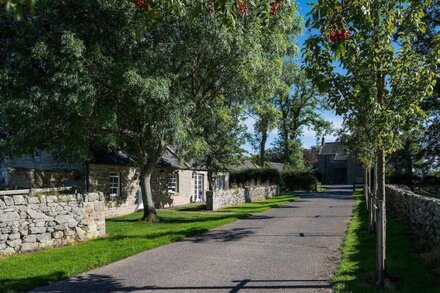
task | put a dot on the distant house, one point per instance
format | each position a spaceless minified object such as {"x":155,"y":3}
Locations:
{"x":275,"y":165}
{"x":174,"y":181}
{"x":246,"y":164}
{"x":336,"y":165}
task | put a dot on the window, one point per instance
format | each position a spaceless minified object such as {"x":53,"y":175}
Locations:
{"x":115,"y":183}
{"x":198,"y":185}
{"x":221,"y":182}
{"x":173,"y":183}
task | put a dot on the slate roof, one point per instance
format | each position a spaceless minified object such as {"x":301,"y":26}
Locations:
{"x":169,"y":159}
{"x":334,"y":148}
{"x":275,"y":165}
{"x":246,"y":164}
{"x":112,"y":158}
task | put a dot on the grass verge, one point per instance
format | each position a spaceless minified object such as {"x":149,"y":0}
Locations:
{"x":126,"y":236}
{"x":359,"y":252}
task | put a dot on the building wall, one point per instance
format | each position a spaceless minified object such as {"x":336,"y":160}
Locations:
{"x":186,"y":187}
{"x":354,"y":171}
{"x":46,"y":160}
{"x":328,"y":169}
{"x":127,"y":201}
{"x":19,"y":178}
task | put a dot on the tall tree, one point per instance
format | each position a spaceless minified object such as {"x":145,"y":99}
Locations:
{"x":266,"y":117}
{"x":71,"y":77}
{"x":380,"y":77}
{"x":297,"y":100}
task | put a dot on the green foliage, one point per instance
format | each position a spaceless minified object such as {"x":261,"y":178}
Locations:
{"x":298,"y":180}
{"x":297,"y":100}
{"x":383,"y":79}
{"x":255,"y":177}
{"x":126,"y":236}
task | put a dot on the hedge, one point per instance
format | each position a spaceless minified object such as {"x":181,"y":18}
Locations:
{"x":289,"y":180}
{"x":255,"y":176}
{"x":298,"y":180}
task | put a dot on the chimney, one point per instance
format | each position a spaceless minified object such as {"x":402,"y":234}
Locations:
{"x":322,"y":141}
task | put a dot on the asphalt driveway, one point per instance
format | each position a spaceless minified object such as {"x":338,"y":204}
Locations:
{"x":294,"y":248}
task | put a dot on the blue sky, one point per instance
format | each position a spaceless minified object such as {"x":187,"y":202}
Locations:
{"x":309,"y":137}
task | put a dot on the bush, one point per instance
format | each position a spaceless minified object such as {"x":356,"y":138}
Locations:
{"x":298,"y":180}
{"x":255,"y":177}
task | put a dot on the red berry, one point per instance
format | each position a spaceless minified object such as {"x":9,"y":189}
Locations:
{"x":243,"y":8}
{"x":142,"y":4}
{"x":338,"y":34}
{"x":274,"y":8}
{"x":332,"y":35}
{"x":345,"y":34}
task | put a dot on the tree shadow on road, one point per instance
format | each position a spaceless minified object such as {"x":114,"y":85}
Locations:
{"x":104,"y":283}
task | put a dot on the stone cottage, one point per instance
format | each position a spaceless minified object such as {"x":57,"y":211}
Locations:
{"x":336,"y":165}
{"x":174,"y":182}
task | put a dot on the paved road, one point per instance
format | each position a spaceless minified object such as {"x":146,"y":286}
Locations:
{"x":294,"y":248}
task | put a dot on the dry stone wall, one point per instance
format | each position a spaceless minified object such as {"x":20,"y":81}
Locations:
{"x":421,"y":213}
{"x":32,"y":222}
{"x":234,"y":196}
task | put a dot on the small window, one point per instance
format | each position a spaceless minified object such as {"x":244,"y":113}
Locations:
{"x":173,"y":183}
{"x":115,"y":184}
{"x":221,"y":182}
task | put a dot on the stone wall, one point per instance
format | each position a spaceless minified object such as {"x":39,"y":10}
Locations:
{"x":30,"y":221}
{"x":234,"y":196}
{"x":421,"y":213}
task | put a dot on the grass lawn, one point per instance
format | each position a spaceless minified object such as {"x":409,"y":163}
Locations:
{"x":126,"y":236}
{"x":358,"y":258}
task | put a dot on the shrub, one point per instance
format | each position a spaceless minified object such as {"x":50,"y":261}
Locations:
{"x":298,"y":180}
{"x":255,"y":177}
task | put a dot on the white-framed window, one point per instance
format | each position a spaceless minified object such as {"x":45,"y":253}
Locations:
{"x":115,"y":184}
{"x":221,"y":182}
{"x":198,"y":185}
{"x":173,"y":183}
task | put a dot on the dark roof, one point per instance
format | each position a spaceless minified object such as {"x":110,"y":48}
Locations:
{"x":246,"y":164}
{"x":275,"y":165}
{"x":112,"y":158}
{"x":333,"y":148}
{"x":169,"y":159}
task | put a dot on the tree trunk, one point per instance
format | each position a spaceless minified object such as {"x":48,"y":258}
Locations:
{"x":150,"y":214}
{"x":211,"y":180}
{"x":408,"y":160}
{"x":263,"y":148}
{"x":371,"y":211}
{"x":381,"y":219}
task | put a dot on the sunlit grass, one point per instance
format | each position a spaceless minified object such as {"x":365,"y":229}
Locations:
{"x":408,"y":271}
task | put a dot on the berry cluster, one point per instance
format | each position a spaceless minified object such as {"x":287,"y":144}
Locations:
{"x":141,"y":4}
{"x":336,"y":35}
{"x":274,"y":7}
{"x":243,"y":8}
